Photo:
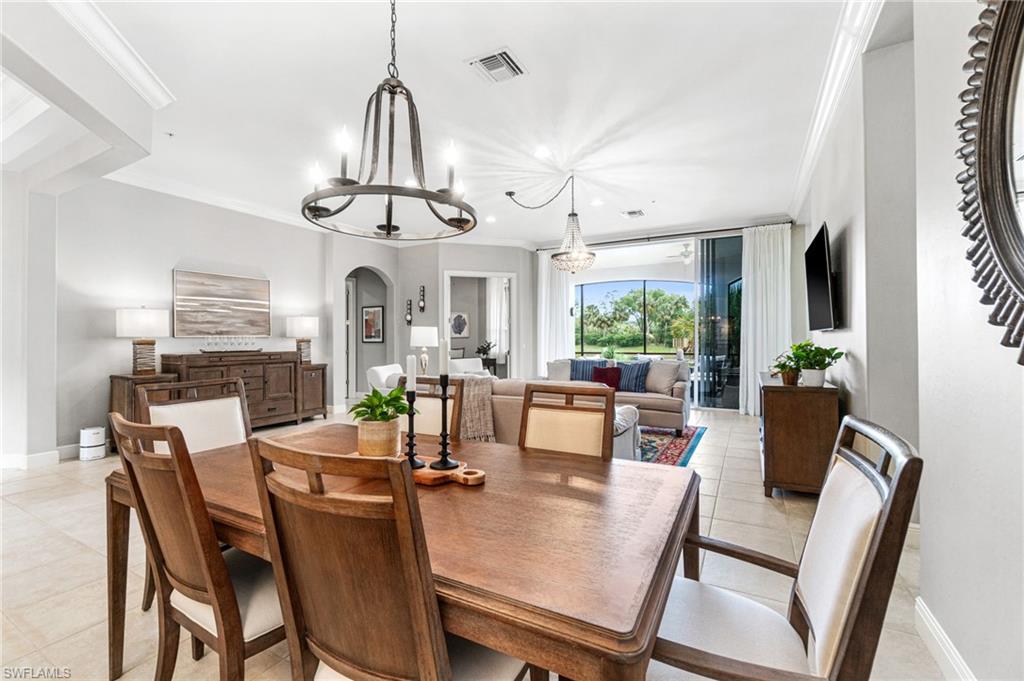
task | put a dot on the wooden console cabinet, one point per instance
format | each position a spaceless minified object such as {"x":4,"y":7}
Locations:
{"x":277,"y":387}
{"x":798,"y":431}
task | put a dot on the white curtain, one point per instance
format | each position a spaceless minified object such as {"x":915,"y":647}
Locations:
{"x":554,"y":313}
{"x":498,"y":310}
{"x":765,"y":329}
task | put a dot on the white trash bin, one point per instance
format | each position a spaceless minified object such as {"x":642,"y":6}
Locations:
{"x":92,"y":443}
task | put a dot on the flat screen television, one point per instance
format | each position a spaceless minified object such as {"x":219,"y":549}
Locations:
{"x":822,"y":311}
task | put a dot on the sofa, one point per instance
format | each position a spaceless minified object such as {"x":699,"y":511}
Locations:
{"x":666,"y":400}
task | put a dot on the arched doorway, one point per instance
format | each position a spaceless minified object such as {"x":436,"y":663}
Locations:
{"x":367,"y":331}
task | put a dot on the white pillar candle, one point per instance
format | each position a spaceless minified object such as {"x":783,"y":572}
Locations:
{"x":410,"y":373}
{"x":444,"y":355}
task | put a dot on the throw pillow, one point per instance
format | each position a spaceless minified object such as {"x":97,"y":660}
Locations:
{"x":662,"y":375}
{"x":558,"y":370}
{"x":634,"y":376}
{"x":610,"y":376}
{"x":583,"y":369}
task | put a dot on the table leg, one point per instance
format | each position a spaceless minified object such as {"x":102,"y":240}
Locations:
{"x":118,"y":516}
{"x":691,"y":554}
{"x":538,"y":674}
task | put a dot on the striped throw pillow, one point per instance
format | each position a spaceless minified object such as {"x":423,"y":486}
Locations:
{"x":583,"y":369}
{"x":634,"y":377}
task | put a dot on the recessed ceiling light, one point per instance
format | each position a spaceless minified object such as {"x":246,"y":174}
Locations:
{"x":490,"y":218}
{"x":597,"y":202}
{"x":542,"y":152}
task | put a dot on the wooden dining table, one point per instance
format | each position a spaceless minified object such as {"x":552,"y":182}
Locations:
{"x":560,"y":560}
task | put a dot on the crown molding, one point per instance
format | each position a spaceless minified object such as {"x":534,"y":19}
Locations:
{"x":98,"y":31}
{"x":853,"y":30}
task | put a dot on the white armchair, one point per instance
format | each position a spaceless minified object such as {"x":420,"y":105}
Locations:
{"x":377,"y":377}
{"x":472,"y":366}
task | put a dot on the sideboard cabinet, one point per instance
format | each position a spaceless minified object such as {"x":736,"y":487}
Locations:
{"x":276,"y":384}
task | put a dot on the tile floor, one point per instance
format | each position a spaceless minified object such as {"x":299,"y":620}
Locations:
{"x":52,"y":565}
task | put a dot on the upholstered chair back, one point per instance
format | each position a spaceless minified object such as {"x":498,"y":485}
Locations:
{"x":210,"y":414}
{"x":568,"y":425}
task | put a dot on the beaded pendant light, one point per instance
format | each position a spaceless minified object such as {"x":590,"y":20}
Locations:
{"x":573,"y":256}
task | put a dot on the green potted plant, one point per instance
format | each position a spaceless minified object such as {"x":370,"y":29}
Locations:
{"x":484,"y":349}
{"x":608,"y":353}
{"x":813,"y":360}
{"x":377,"y":420}
{"x":786,"y":367}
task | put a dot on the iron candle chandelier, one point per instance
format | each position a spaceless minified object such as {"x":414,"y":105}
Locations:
{"x":332,"y":195}
{"x":573,"y":256}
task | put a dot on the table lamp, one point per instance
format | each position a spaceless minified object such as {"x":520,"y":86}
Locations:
{"x":423,"y":337}
{"x":303,"y":330}
{"x":143,"y":325}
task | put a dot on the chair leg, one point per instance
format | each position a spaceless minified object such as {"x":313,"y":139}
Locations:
{"x":167,"y":653}
{"x":197,"y":648}
{"x":232,"y":662}
{"x":149,"y":591}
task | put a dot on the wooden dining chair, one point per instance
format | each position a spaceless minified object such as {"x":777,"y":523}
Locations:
{"x":842,"y":583}
{"x":354,"y":574}
{"x":554,"y":419}
{"x":428,"y":406}
{"x":210,"y":413}
{"x":226,"y":600}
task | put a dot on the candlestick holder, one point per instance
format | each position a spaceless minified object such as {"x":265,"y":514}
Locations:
{"x":410,"y":453}
{"x":444,"y":463}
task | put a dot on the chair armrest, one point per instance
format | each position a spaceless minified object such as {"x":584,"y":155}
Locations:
{"x":714,"y":666}
{"x":680,"y":389}
{"x":746,"y":555}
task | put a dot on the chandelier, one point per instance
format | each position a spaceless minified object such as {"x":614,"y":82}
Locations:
{"x":573,"y":256}
{"x":332,"y":195}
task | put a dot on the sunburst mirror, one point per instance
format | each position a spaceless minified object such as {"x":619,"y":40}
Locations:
{"x":992,"y":134}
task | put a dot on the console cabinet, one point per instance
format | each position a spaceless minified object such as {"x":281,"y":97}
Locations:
{"x":798,"y":431}
{"x":277,"y":386}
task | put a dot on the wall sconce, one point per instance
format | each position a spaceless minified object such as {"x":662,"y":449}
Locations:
{"x":408,"y":312}
{"x":423,"y":299}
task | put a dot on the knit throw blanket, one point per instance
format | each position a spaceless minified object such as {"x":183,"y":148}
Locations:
{"x":477,"y":417}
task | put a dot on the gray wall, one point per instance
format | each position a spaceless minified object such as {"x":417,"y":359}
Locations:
{"x":369,"y":290}
{"x":469,"y":296}
{"x":971,"y":389}
{"x":117,"y":246}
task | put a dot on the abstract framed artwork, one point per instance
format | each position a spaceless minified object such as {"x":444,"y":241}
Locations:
{"x":220,"y":305}
{"x":460,"y":325}
{"x":373,"y":324}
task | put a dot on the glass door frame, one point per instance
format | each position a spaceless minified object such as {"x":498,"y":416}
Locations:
{"x":697,"y":375}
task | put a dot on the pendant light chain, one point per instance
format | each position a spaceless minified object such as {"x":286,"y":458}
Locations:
{"x":393,"y":66}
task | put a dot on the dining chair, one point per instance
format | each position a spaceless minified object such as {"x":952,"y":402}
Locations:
{"x":226,"y":600}
{"x":553,"y":419}
{"x":210,"y":413}
{"x":428,"y":407}
{"x":353,"y":572}
{"x":841,"y":588}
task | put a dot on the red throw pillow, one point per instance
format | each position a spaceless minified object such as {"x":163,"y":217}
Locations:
{"x":608,"y":375}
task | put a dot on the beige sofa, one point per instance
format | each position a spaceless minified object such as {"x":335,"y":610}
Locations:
{"x":666,"y":402}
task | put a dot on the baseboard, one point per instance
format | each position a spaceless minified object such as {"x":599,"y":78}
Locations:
{"x":69,"y":452}
{"x":941,"y":647}
{"x":914,"y":536}
{"x":36,"y":460}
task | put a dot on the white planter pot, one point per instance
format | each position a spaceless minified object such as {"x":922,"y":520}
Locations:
{"x":813,"y":378}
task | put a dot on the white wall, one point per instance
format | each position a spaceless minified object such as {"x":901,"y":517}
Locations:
{"x":117,"y":246}
{"x":971,"y":389}
{"x":663,"y":271}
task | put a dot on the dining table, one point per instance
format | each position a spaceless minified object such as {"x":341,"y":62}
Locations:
{"x":561,"y":560}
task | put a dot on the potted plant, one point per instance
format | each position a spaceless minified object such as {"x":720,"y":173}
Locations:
{"x":484,"y":349}
{"x":786,"y":367}
{"x":377,"y":420}
{"x":608,"y":353}
{"x":813,"y":360}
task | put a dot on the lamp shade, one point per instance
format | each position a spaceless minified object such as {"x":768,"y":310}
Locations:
{"x":302,"y":327}
{"x":143,"y":323}
{"x":423,"y":337}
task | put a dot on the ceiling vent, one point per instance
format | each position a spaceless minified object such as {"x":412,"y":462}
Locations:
{"x":498,"y":66}
{"x":632,"y":214}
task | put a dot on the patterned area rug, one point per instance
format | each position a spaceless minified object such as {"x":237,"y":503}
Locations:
{"x":660,"y":445}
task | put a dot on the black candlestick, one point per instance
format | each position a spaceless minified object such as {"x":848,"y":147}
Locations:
{"x":410,"y":397}
{"x":444,"y":463}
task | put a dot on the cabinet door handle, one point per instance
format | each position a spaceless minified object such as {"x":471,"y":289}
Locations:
{"x":271,"y":408}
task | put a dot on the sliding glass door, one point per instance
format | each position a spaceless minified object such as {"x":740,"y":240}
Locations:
{"x":717,"y":371}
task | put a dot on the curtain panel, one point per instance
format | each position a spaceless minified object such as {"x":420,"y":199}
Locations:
{"x":554,"y":313}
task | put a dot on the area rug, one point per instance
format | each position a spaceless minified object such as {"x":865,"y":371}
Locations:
{"x":660,"y":445}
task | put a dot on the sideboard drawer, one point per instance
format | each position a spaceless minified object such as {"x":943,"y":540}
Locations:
{"x":245,"y":370}
{"x":272,"y":407}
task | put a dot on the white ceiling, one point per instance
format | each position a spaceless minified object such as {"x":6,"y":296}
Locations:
{"x":32,"y":129}
{"x":695,"y":112}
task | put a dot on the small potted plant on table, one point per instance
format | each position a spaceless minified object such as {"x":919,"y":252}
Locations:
{"x":377,"y":420}
{"x":786,"y":367}
{"x":484,"y":349}
{"x":813,"y":360}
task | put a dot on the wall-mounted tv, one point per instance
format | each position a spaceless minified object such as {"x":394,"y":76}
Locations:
{"x":822,"y":307}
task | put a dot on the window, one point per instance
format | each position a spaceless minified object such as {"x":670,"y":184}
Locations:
{"x":624,"y":318}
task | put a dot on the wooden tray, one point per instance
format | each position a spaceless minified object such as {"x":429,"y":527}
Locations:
{"x":462,"y":475}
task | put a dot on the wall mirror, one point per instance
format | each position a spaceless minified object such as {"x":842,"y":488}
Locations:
{"x":992,"y":135}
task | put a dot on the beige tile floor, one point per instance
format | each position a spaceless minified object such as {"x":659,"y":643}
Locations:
{"x":53,"y":584}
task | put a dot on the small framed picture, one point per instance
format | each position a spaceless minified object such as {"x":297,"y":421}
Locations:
{"x":460,"y":325}
{"x":373,"y":324}
{"x":457,"y":353}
